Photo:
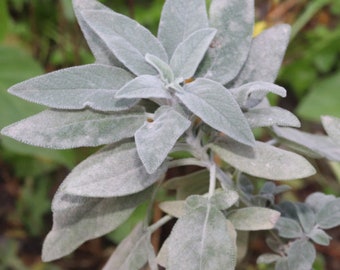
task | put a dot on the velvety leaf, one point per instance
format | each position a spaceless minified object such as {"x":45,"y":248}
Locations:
{"x":318,"y":200}
{"x":162,"y":256}
{"x":155,"y":139}
{"x":332,"y":127}
{"x":270,"y":116}
{"x":144,"y":86}
{"x":190,"y":52}
{"x":265,"y":56}
{"x":128,"y":40}
{"x":329,"y":215}
{"x":162,"y":67}
{"x":288,"y":228}
{"x":282,"y":264}
{"x":306,"y":216}
{"x":268,"y":258}
{"x":229,"y":50}
{"x":253,"y":218}
{"x":301,"y":255}
{"x":264,"y":160}
{"x":173,"y":208}
{"x":91,"y":86}
{"x":100,"y":50}
{"x":215,"y":105}
{"x":223,"y":199}
{"x":114,"y":171}
{"x":78,"y":219}
{"x":320,"y":237}
{"x":251,"y":94}
{"x":180,"y":19}
{"x":202,"y":239}
{"x":71,"y":129}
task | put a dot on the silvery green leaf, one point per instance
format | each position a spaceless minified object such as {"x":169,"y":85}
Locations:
{"x":133,"y":252}
{"x":251,"y":94}
{"x":78,"y":219}
{"x":268,"y":258}
{"x":270,"y":116}
{"x":223,"y":199}
{"x":155,"y":139}
{"x":319,"y":236}
{"x":282,"y":264}
{"x":329,"y":215}
{"x":317,"y":145}
{"x":253,"y":218}
{"x":287,"y":209}
{"x":98,"y":47}
{"x":162,"y":256}
{"x":128,"y":40}
{"x":234,"y":21}
{"x":301,"y":255}
{"x":265,"y":56}
{"x":242,"y":243}
{"x":288,"y":228}
{"x":318,"y":200}
{"x":71,"y":129}
{"x":264,"y":160}
{"x":179,"y":19}
{"x":162,"y":68}
{"x":144,"y":86}
{"x":214,"y":104}
{"x":173,"y":208}
{"x":306,"y":216}
{"x":332,"y":126}
{"x":202,"y":240}
{"x":114,"y":171}
{"x":91,"y":86}
{"x":190,"y":52}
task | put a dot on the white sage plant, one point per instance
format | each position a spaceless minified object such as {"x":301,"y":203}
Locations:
{"x":190,"y":96}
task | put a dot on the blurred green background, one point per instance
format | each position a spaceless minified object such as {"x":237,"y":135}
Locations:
{"x":39,"y":36}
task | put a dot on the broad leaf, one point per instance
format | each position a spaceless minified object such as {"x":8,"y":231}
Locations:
{"x":301,"y":255}
{"x":224,"y":199}
{"x":202,"y":240}
{"x":288,"y":228}
{"x":155,"y":139}
{"x":329,"y":215}
{"x":144,"y":86}
{"x":78,"y":219}
{"x":320,"y":237}
{"x":216,"y":106}
{"x":180,"y":19}
{"x":71,"y":129}
{"x":229,"y":50}
{"x":173,"y":208}
{"x":91,"y":86}
{"x":128,"y":40}
{"x":282,"y":264}
{"x":268,"y":258}
{"x":162,"y":67}
{"x":318,"y":200}
{"x":270,"y":116}
{"x":332,"y":127}
{"x":114,"y":171}
{"x":190,"y":52}
{"x":306,"y":216}
{"x":253,"y":218}
{"x":98,"y":47}
{"x":264,"y":160}
{"x":265,"y":56}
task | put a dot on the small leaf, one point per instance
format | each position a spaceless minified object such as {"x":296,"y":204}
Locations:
{"x":253,"y":218}
{"x":320,"y":237}
{"x":114,"y":171}
{"x":130,"y":43}
{"x":264,"y":160}
{"x":144,"y":86}
{"x":202,"y":240}
{"x":91,"y":86}
{"x":288,"y":228}
{"x":318,"y":200}
{"x":155,"y":140}
{"x":306,"y":216}
{"x":190,"y":52}
{"x":332,"y":127}
{"x":162,"y":68}
{"x":301,"y":255}
{"x":173,"y":208}
{"x":215,"y":105}
{"x":180,"y":19}
{"x":224,"y":199}
{"x":78,"y":219}
{"x":265,"y":56}
{"x":270,"y":116}
{"x":268,"y":258}
{"x":71,"y":129}
{"x":329,"y":215}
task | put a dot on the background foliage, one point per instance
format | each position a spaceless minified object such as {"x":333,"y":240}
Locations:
{"x":41,"y":36}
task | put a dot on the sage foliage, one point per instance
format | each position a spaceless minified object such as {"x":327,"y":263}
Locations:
{"x":190,"y":96}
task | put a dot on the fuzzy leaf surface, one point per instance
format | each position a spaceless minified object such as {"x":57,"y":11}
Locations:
{"x":200,"y":240}
{"x":77,"y":219}
{"x":264,"y":160}
{"x":306,"y":216}
{"x":318,"y":200}
{"x":71,"y":129}
{"x":162,"y":67}
{"x":113,"y":171}
{"x":155,"y":140}
{"x":320,"y":237}
{"x":216,"y":106}
{"x":179,"y":19}
{"x":234,"y":21}
{"x":329,"y":216}
{"x":301,"y":255}
{"x":173,"y":208}
{"x":267,"y":258}
{"x":288,"y":228}
{"x":265,"y":56}
{"x":190,"y":52}
{"x":91,"y":86}
{"x":332,"y":126}
{"x":128,"y":40}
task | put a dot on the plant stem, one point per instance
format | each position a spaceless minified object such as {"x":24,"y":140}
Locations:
{"x":212,"y":180}
{"x":154,"y":227}
{"x":186,"y":162}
